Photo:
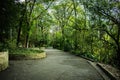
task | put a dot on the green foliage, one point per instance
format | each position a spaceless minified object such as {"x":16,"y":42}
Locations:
{"x":22,"y":51}
{"x":57,"y":43}
{"x":3,"y":47}
{"x":8,"y":20}
{"x":90,"y":30}
{"x":86,"y":28}
{"x":67,"y":46}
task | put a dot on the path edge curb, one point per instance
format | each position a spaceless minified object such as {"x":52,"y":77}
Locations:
{"x":98,"y":70}
{"x":112,"y":77}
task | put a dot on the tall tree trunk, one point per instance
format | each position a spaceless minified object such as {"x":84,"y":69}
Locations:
{"x":18,"y":36}
{"x":28,"y":20}
{"x":20,"y":25}
{"x":118,"y":46}
{"x":27,"y":34}
{"x":63,"y":38}
{"x":27,"y":41}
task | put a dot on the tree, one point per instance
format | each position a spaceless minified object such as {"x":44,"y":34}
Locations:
{"x":28,"y":18}
{"x":8,"y":21}
{"x":108,"y":11}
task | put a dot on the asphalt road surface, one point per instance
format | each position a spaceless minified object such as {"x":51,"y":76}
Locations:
{"x":58,"y":65}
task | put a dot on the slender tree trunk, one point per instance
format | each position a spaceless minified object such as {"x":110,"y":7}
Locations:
{"x":18,"y":36}
{"x":27,"y":35}
{"x":20,"y":25}
{"x":27,"y":41}
{"x":118,"y":46}
{"x":63,"y":41}
{"x":28,"y":20}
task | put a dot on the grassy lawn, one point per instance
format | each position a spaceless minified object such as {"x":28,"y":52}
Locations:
{"x":24,"y":51}
{"x":18,"y":53}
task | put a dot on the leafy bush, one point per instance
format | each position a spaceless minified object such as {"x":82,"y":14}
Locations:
{"x":67,"y":46}
{"x":77,"y":52}
{"x":3,"y":47}
{"x":84,"y":54}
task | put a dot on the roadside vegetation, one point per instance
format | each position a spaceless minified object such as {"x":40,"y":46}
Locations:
{"x":23,"y":53}
{"x":26,"y":51}
{"x":89,"y":28}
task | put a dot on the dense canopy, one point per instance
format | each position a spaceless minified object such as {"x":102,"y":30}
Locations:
{"x":89,"y":28}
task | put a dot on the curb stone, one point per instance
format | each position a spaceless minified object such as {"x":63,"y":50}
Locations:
{"x":108,"y":73}
{"x":4,"y":62}
{"x":102,"y":74}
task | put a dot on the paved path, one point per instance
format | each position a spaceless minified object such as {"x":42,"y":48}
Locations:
{"x":58,"y":65}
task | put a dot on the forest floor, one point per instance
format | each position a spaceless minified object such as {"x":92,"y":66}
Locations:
{"x":58,"y":65}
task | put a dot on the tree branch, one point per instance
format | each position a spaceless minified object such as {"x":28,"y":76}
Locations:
{"x":31,"y":9}
{"x":43,"y":11}
{"x":111,"y":36}
{"x":103,"y":12}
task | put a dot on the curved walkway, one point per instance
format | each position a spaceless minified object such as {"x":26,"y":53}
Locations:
{"x":58,"y":65}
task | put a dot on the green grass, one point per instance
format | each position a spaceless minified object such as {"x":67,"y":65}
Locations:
{"x":24,"y":51}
